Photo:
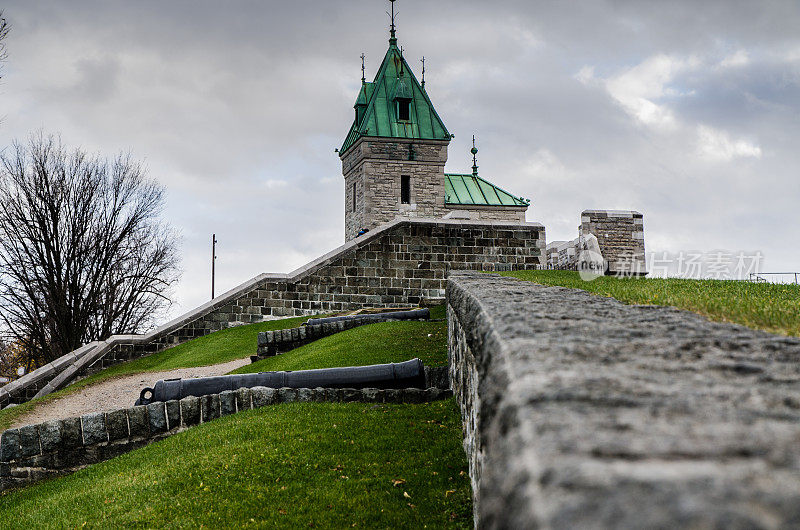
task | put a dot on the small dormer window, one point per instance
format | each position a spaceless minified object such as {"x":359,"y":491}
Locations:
{"x":404,"y":109}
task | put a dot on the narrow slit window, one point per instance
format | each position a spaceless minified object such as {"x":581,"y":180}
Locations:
{"x":403,"y":109}
{"x":405,"y":189}
{"x":354,"y":196}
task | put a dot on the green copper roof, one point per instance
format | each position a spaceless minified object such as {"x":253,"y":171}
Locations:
{"x":378,"y":101}
{"x":472,"y":189}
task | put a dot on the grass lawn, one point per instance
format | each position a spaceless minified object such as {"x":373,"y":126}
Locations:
{"x":384,"y":342}
{"x":292,"y":465}
{"x":219,"y":347}
{"x":770,"y":307}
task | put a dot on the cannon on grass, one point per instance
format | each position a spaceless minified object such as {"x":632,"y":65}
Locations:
{"x":408,"y":374}
{"x":414,"y":314}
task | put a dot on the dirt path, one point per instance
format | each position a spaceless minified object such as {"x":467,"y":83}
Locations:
{"x":116,"y":393}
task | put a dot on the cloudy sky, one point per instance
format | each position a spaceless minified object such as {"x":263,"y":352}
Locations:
{"x":686,"y":111}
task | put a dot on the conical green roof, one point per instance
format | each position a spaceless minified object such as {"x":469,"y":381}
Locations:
{"x":394,"y":82}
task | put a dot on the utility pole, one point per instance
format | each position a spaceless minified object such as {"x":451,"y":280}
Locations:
{"x":213,"y":261}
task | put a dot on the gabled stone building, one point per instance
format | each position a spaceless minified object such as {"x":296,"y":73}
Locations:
{"x":394,"y":155}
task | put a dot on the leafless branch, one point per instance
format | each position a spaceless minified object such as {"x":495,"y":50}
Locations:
{"x":83,"y":253}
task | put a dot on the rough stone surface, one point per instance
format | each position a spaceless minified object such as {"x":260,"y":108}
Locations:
{"x":210,"y":407}
{"x":71,"y":434}
{"x":9,"y":445}
{"x":227,"y":403}
{"x":580,"y":411}
{"x":244,"y":399}
{"x":263,"y":396}
{"x":117,"y":424}
{"x":157,"y":417}
{"x":50,"y":435}
{"x":173,"y":414}
{"x":138,"y":421}
{"x":94,"y":428}
{"x":190,"y":411}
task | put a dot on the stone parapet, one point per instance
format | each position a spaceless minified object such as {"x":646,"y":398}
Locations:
{"x":58,"y":447}
{"x":620,"y":234}
{"x":582,"y":412}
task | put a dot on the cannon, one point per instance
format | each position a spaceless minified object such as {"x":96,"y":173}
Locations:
{"x":414,"y":314}
{"x":408,"y":374}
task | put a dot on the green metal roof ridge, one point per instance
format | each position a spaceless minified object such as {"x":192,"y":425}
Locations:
{"x":517,"y":201}
{"x":423,"y":118}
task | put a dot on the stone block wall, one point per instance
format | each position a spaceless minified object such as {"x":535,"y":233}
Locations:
{"x":621,"y":238}
{"x":582,"y":412}
{"x":375,"y":166}
{"x":514,"y":214}
{"x":35,"y":452}
{"x":404,"y":263}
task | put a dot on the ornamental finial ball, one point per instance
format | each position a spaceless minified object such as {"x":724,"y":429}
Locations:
{"x":474,"y":150}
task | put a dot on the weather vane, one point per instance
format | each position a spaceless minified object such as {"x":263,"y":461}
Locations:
{"x":392,"y":35}
{"x":474,"y":152}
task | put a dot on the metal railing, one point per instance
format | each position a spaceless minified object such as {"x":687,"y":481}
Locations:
{"x":758,"y":277}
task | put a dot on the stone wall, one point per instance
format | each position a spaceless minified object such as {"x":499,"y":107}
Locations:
{"x":514,"y":214}
{"x":376,"y":165}
{"x":621,"y":238}
{"x":58,"y":447}
{"x":404,"y":263}
{"x":582,"y":412}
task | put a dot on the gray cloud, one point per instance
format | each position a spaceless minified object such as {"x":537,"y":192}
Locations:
{"x":237,"y":110}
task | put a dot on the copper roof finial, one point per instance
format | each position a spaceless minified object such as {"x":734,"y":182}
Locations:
{"x":363,"y":75}
{"x":474,"y":152}
{"x":423,"y":71}
{"x":392,"y":33}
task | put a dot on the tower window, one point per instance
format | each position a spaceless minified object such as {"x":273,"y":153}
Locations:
{"x":404,"y":109}
{"x":405,"y":189}
{"x":354,"y":196}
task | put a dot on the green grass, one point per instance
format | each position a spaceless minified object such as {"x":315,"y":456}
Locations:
{"x":385,"y":342}
{"x":219,"y":347}
{"x":770,"y":307}
{"x":292,"y":465}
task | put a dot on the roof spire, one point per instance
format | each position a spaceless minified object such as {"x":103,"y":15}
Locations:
{"x":423,"y":72}
{"x":392,"y":33}
{"x":474,"y":152}
{"x":363,"y":78}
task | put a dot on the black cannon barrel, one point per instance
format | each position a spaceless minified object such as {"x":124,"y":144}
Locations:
{"x":408,"y":374}
{"x":414,"y":314}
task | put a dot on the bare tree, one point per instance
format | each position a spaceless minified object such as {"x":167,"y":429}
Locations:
{"x":4,"y":29}
{"x":83,"y":253}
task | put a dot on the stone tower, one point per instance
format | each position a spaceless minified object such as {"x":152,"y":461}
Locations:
{"x":394,"y":155}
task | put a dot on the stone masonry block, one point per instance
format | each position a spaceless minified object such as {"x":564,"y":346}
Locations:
{"x":157,"y":417}
{"x":29,"y":441}
{"x":304,"y":394}
{"x":210,"y":407}
{"x":9,"y":445}
{"x":138,"y":422}
{"x":227,"y":402}
{"x":287,"y":395}
{"x":94,"y":428}
{"x":50,"y":435}
{"x":244,"y":398}
{"x":190,"y":411}
{"x":173,"y":414}
{"x":117,"y":424}
{"x":263,"y":396}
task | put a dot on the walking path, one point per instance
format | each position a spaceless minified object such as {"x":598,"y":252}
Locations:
{"x":116,"y":393}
